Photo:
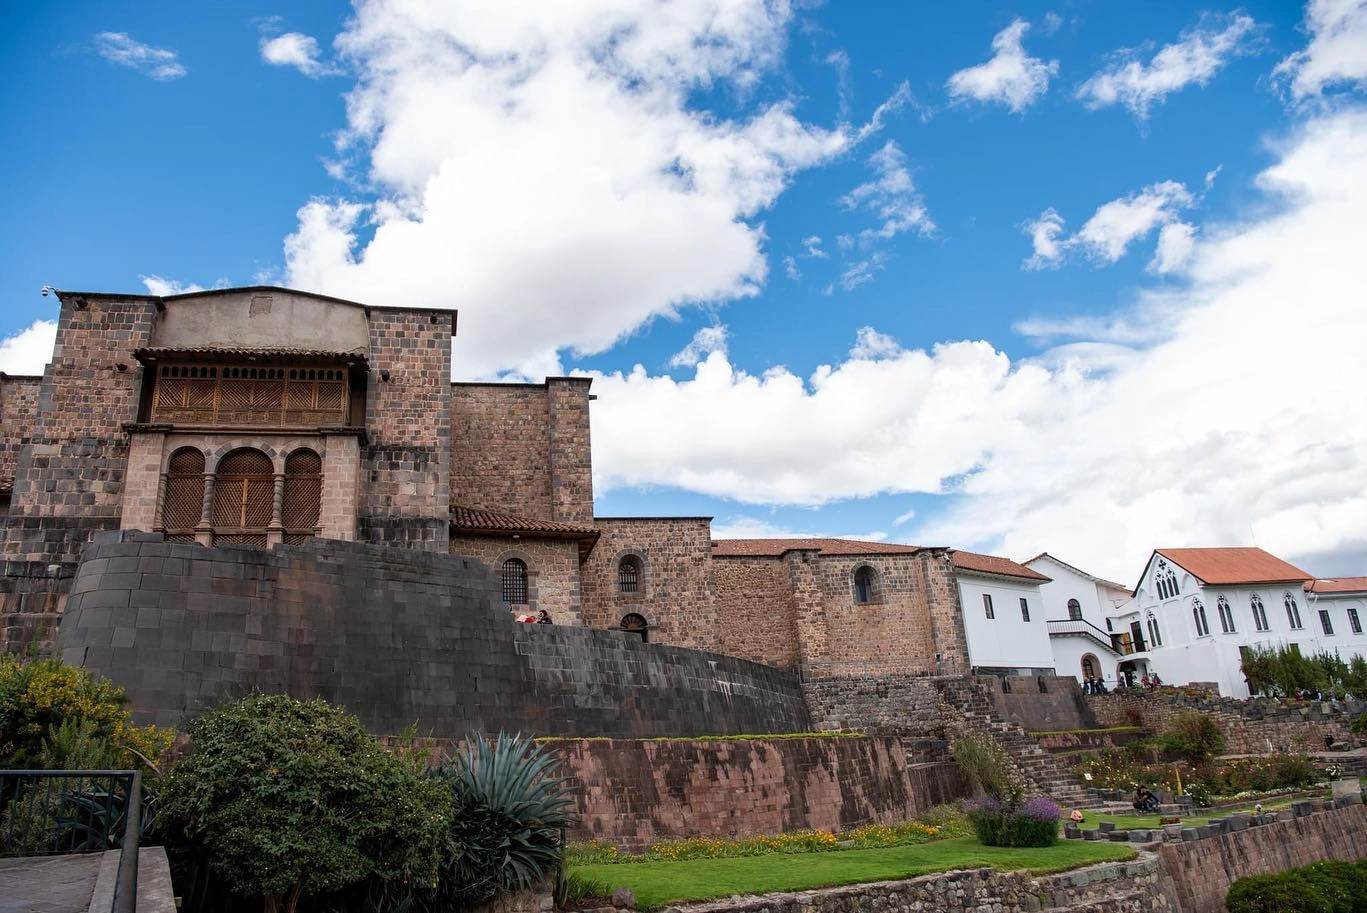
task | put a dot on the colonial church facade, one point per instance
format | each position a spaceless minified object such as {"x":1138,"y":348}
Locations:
{"x":261,"y":417}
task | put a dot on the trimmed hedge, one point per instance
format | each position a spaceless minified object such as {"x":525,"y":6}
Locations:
{"x":1323,"y":887}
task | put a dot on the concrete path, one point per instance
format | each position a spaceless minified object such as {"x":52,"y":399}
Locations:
{"x":82,"y":883}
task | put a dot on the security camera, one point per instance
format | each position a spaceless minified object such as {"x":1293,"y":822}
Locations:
{"x":46,"y":289}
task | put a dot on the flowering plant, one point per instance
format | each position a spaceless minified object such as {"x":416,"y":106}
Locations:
{"x":998,"y":823}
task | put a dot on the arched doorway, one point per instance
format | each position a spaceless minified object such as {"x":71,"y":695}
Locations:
{"x":635,"y":623}
{"x":1090,"y":667}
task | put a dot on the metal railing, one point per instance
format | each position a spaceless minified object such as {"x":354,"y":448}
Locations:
{"x":56,"y":812}
{"x":1110,"y":641}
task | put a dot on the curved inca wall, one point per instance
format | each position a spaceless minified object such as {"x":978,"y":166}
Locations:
{"x":396,"y":636}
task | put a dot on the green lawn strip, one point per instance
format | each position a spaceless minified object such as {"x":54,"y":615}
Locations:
{"x":1150,"y":822}
{"x":658,"y":883}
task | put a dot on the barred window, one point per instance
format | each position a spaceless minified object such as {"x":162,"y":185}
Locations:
{"x":515,"y":581}
{"x":303,"y":494}
{"x":183,"y":500}
{"x":629,"y":575}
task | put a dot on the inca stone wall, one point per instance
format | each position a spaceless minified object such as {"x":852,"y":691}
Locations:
{"x":633,"y":793}
{"x":675,"y":592}
{"x":1249,"y":727}
{"x":397,"y":636}
{"x":406,"y":466}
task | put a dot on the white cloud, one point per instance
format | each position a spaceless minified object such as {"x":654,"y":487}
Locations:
{"x":1337,"y":52}
{"x":704,"y":342}
{"x":28,"y":351}
{"x":904,"y":518}
{"x":543,"y":169}
{"x":869,"y":344}
{"x":1176,"y":241}
{"x":294,"y":49}
{"x":862,"y":271}
{"x":1239,"y":419}
{"x":1052,"y":22}
{"x":891,"y":196}
{"x":1108,"y":234}
{"x":1012,"y":77}
{"x":790,"y":269}
{"x":160,"y":285}
{"x":812,"y":247}
{"x":741,"y":526}
{"x":1195,"y":58}
{"x":122,"y":49}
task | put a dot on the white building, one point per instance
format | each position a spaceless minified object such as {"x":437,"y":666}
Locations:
{"x":1004,"y":618}
{"x":1079,"y":610}
{"x":1195,"y":608}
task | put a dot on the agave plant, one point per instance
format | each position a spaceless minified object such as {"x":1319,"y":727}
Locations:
{"x":509,"y":815}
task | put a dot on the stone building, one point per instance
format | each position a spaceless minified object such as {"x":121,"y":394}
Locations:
{"x":264,"y":417}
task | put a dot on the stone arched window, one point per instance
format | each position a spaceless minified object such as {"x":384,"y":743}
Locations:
{"x":301,"y":500}
{"x":183,"y":499}
{"x":1293,"y":612}
{"x":1198,"y":615}
{"x":635,"y":623}
{"x":629,"y":575}
{"x":1074,"y":610}
{"x":865,"y":584}
{"x":244,"y":497}
{"x":515,"y":581}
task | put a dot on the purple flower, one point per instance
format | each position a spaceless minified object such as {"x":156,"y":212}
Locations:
{"x":1041,"y":808}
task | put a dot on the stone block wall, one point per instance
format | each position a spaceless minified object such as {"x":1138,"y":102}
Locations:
{"x":633,"y":793}
{"x":500,"y":441}
{"x":552,"y":571}
{"x":1040,"y":703}
{"x":752,"y":595}
{"x":405,"y":473}
{"x":571,"y":462}
{"x":675,"y":591}
{"x":397,"y":636}
{"x":1249,"y":726}
{"x":18,"y":414}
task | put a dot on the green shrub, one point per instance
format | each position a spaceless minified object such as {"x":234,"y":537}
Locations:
{"x":986,"y":767}
{"x":1194,"y":737}
{"x":1322,"y":887}
{"x":949,"y":819}
{"x":290,"y":798}
{"x":507,"y":815}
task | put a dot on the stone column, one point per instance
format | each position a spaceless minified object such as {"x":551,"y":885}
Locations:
{"x":204,"y":532}
{"x":275,"y":533}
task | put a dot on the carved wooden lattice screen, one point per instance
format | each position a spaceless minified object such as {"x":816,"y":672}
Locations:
{"x":253,"y":396}
{"x":303,"y":495}
{"x":184,"y":497}
{"x":244,"y":495}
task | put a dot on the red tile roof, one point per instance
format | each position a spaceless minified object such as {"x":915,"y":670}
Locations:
{"x":1338,"y":585}
{"x":475,"y":522}
{"x":991,"y":564}
{"x":1233,"y":565}
{"x":774,"y":548}
{"x":153,"y":353}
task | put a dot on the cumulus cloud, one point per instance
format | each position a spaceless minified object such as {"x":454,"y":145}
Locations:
{"x":1176,"y":241}
{"x":546,"y":169}
{"x":742,"y":526}
{"x":1337,"y":52}
{"x":1012,"y":77}
{"x":28,"y":351}
{"x":1238,"y":419}
{"x":1108,"y":234}
{"x":157,"y":63}
{"x":891,"y":196}
{"x":295,"y":49}
{"x":1194,"y":58}
{"x":160,"y":285}
{"x":704,"y":342}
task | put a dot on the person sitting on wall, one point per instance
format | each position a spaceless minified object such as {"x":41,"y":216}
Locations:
{"x":543,"y":618}
{"x":1144,"y":680}
{"x":1154,"y":680}
{"x":1099,"y":687}
{"x":1145,"y":801}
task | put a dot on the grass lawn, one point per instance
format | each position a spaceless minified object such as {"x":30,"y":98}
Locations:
{"x":658,"y":883}
{"x":1150,"y":822}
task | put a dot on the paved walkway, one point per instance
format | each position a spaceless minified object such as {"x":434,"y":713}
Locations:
{"x":49,"y":884}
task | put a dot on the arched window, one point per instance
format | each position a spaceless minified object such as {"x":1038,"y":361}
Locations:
{"x":1074,"y":610}
{"x":1166,"y":581}
{"x":629,"y":575}
{"x":1088,"y":668}
{"x":634,"y":623}
{"x":1293,"y":612}
{"x":1155,"y":636}
{"x":515,"y":581}
{"x":1198,"y":614}
{"x":183,"y":501}
{"x":244,"y":495}
{"x":303,"y":495}
{"x":1226,"y":615}
{"x":1255,"y":602}
{"x":865,"y":584}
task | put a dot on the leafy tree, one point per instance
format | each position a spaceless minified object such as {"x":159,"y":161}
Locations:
{"x":290,"y":798}
{"x":1194,"y":737}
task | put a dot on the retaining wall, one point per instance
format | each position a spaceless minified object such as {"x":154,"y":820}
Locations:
{"x":1249,"y":726}
{"x":397,"y":636}
{"x":1040,"y":702}
{"x":632,"y":793}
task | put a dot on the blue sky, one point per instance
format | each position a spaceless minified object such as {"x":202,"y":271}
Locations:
{"x":1075,"y":276}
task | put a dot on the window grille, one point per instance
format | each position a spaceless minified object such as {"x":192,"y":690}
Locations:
{"x":247,"y":395}
{"x":303,"y":495}
{"x":244,"y":496}
{"x":515,"y":582}
{"x":183,"y":499}
{"x":1074,"y":610}
{"x":629,"y":575}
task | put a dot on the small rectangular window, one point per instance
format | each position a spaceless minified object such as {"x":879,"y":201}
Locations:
{"x":1326,"y":623}
{"x":1025,"y":610}
{"x":987,"y":605}
{"x":1354,"y":622}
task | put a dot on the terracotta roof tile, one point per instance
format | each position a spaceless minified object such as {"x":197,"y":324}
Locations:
{"x":474,"y":520}
{"x":1233,"y":565}
{"x":773,"y":548}
{"x":1338,"y":585}
{"x":991,"y":564}
{"x":153,"y":353}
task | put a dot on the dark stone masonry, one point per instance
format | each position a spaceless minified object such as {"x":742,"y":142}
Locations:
{"x":397,"y":636}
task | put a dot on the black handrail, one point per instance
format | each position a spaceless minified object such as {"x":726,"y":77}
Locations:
{"x":41,"y":819}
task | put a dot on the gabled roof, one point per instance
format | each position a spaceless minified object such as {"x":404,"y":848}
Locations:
{"x":1230,"y":566}
{"x":471,"y":521}
{"x":774,"y":548}
{"x":251,"y":353}
{"x":1338,"y":585}
{"x":992,"y":564}
{"x":1077,"y":570}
